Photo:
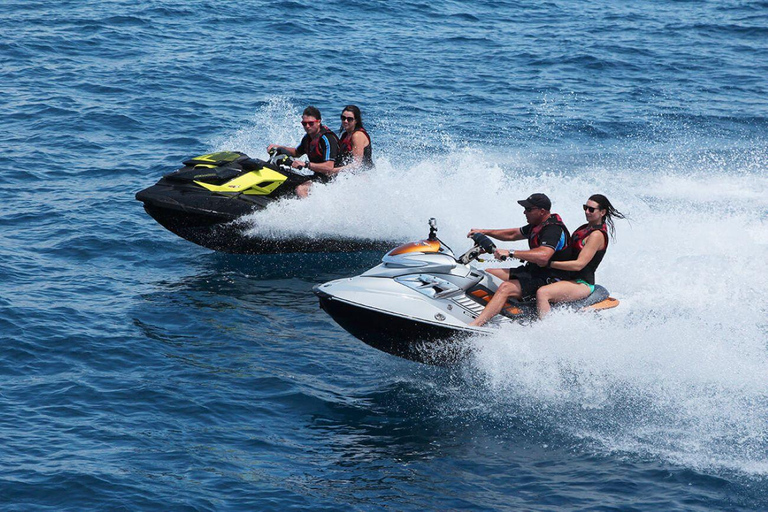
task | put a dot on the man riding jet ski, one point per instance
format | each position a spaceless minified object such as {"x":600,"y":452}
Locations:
{"x":202,"y":202}
{"x":419,"y":302}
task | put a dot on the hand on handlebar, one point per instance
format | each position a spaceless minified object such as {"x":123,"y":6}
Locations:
{"x":473,"y":231}
{"x":298,"y":164}
{"x":501,"y":254}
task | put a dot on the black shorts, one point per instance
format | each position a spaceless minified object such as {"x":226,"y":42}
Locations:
{"x":528,"y":282}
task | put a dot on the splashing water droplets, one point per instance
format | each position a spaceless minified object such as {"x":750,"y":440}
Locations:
{"x":678,"y":370}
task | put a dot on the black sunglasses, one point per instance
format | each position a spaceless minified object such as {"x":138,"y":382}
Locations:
{"x":348,"y":119}
{"x":590,"y":209}
{"x":529,"y":210}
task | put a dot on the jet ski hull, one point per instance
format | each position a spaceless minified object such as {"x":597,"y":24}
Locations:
{"x":416,"y":338}
{"x":405,"y":337}
{"x":205,"y":200}
{"x":419,"y":302}
{"x":211,"y":221}
{"x":418,"y":308}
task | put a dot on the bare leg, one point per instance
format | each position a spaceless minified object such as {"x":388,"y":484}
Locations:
{"x":508,"y":289}
{"x":501,"y":273}
{"x":303,"y":190}
{"x":559,"y":292}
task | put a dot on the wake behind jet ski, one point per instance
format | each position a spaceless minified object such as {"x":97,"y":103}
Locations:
{"x":204,"y":201}
{"x":418,"y":303}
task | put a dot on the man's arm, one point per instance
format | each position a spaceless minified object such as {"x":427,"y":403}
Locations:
{"x":505,"y":235}
{"x":285,"y":149}
{"x":552,"y":239}
{"x":323,"y":167}
{"x":539,"y":256}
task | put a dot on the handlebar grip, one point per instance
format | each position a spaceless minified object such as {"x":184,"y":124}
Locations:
{"x":284,"y":160}
{"x":484,"y":242}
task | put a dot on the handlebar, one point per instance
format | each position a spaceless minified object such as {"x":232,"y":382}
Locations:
{"x":283,"y":160}
{"x":484,"y":242}
{"x":277,"y":157}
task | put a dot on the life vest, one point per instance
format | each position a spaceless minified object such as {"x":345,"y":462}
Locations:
{"x":562,"y":250}
{"x":579,"y":237}
{"x":554,"y":219}
{"x":315,"y":152}
{"x":345,"y":149}
{"x":578,"y":240}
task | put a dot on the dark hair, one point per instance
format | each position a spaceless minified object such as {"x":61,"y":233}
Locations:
{"x":312,"y":111}
{"x":355,"y":112}
{"x":610,"y":211}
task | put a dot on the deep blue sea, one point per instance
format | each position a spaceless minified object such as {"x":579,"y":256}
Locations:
{"x":139,"y":371}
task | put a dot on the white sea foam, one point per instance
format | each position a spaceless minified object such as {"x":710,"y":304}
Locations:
{"x":678,"y":371}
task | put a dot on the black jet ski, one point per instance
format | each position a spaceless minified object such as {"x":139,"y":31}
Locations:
{"x":204,"y":202}
{"x":418,"y":303}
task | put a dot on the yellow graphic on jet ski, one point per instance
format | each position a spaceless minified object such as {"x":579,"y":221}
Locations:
{"x":261,"y":182}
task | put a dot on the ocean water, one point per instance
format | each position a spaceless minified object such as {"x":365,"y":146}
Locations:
{"x":141,"y":372}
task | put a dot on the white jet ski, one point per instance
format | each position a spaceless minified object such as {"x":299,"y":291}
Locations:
{"x":418,"y":302}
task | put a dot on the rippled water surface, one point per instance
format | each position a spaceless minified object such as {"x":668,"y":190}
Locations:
{"x":142,"y":372}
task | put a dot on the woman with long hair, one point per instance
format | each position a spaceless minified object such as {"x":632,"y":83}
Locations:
{"x":354,"y":141}
{"x":588,"y":245}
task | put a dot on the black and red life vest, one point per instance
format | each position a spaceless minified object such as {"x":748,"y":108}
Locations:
{"x":578,"y":239}
{"x":553,"y":219}
{"x":562,"y":250}
{"x":345,"y":149}
{"x":314,"y":151}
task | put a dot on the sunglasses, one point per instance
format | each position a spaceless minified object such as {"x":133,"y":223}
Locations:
{"x":590,"y":209}
{"x":529,"y":210}
{"x":347,"y":119}
{"x":308,"y":123}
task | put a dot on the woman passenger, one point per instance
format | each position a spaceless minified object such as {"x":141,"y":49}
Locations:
{"x":588,"y":243}
{"x":354,"y":142}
